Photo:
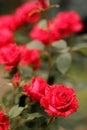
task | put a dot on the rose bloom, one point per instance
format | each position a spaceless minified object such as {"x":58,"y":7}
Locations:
{"x":6,"y":37}
{"x":68,"y":23}
{"x":10,"y":56}
{"x":28,"y":12}
{"x":30,"y":57}
{"x":36,"y":89}
{"x":59,"y":100}
{"x":45,"y":35}
{"x":40,"y":34}
{"x":16,"y":79}
{"x":43,"y":4}
{"x":4,"y":121}
{"x":9,"y":21}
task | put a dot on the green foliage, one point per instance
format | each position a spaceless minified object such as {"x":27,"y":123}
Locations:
{"x":63,"y":62}
{"x":61,"y":44}
{"x":26,"y":72}
{"x":82,"y":47}
{"x":43,"y":24}
{"x":35,"y":44}
{"x":15,"y":111}
{"x":32,"y":116}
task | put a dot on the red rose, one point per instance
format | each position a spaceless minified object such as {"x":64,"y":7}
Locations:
{"x":28,"y":12}
{"x":36,"y":89}
{"x":9,"y":21}
{"x":40,"y":34}
{"x":59,"y":101}
{"x":68,"y":23}
{"x":54,"y":35}
{"x":30,"y":57}
{"x":46,"y":35}
{"x":6,"y":37}
{"x":4,"y":121}
{"x":16,"y":79}
{"x":10,"y":56}
{"x":43,"y":4}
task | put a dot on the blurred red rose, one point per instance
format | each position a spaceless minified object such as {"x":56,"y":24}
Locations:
{"x":40,"y":34}
{"x":10,"y":56}
{"x":59,"y":100}
{"x":6,"y":37}
{"x":46,"y":35}
{"x":30,"y":57}
{"x":28,"y":12}
{"x":4,"y":121}
{"x":9,"y":21}
{"x":43,"y":4}
{"x":68,"y":23}
{"x":16,"y":79}
{"x":36,"y":89}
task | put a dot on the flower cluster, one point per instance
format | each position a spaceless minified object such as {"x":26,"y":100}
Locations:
{"x":26,"y":13}
{"x":46,"y":35}
{"x":58,"y":100}
{"x":12,"y":55}
{"x":63,"y":25}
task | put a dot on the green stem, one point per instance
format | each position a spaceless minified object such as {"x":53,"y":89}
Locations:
{"x":51,"y":119}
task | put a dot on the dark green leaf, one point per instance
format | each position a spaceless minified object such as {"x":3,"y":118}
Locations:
{"x":35,"y":44}
{"x":26,"y":71}
{"x":64,"y":62}
{"x":60,"y":44}
{"x":33,"y":116}
{"x":15,"y":111}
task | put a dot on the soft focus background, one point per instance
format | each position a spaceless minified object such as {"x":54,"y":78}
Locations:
{"x":77,"y":75}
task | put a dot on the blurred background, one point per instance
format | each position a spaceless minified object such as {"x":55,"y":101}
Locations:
{"x":77,"y":75}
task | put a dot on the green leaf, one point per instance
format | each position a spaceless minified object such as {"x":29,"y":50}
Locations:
{"x":33,"y":116}
{"x":15,"y":111}
{"x":26,"y":71}
{"x":82,"y":47}
{"x":43,"y":24}
{"x":60,"y":44}
{"x":64,"y":62}
{"x":35,"y":44}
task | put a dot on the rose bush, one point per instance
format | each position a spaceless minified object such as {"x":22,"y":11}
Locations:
{"x":38,"y":66}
